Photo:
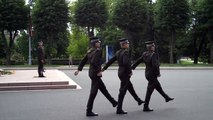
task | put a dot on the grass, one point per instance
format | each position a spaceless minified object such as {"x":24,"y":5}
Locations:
{"x":7,"y":72}
{"x":187,"y":65}
{"x":182,"y":65}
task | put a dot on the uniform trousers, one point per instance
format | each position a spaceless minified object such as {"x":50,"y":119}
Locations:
{"x":153,"y":83}
{"x":97,"y":84}
{"x":40,"y":68}
{"x":124,"y":86}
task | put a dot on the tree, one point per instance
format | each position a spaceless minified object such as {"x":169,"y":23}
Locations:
{"x":2,"y":53}
{"x":13,"y":17}
{"x":50,"y":18}
{"x":23,"y":45}
{"x":172,"y":16}
{"x":90,"y":14}
{"x":110,"y":33}
{"x":131,"y":17}
{"x":78,"y":43}
{"x":195,"y":33}
{"x":62,"y":44}
{"x":205,"y":19}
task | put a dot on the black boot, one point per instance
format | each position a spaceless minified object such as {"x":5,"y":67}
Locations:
{"x":120,"y":104}
{"x":41,"y":74}
{"x":169,"y":99}
{"x":147,"y":109}
{"x":91,"y":114}
{"x":121,"y":112}
{"x":140,"y":102}
{"x":114,"y":103}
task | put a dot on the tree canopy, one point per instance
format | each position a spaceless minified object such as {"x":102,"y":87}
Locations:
{"x":50,"y":18}
{"x":78,"y":43}
{"x":205,"y":21}
{"x":130,"y":15}
{"x":172,"y":16}
{"x":91,"y":14}
{"x":13,"y":17}
{"x":179,"y":27}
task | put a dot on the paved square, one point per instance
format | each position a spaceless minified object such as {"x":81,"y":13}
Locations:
{"x":192,"y":89}
{"x":29,"y":80}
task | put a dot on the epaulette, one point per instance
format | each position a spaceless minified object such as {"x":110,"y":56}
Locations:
{"x":90,"y":50}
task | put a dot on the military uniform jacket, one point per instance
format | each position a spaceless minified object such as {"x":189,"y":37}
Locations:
{"x":124,"y":62}
{"x":152,"y":64}
{"x":40,"y":53}
{"x":94,"y":58}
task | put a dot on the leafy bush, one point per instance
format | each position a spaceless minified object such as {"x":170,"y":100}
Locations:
{"x":78,"y":43}
{"x":17,"y":59}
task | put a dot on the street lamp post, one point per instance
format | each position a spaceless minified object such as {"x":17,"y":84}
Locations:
{"x":30,"y":34}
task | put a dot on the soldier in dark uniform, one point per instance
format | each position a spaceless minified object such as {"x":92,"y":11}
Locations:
{"x":41,"y":59}
{"x":152,"y":72}
{"x":124,"y":73}
{"x":94,"y":57}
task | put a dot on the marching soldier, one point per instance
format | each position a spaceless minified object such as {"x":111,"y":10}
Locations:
{"x":41,"y":59}
{"x":124,"y":74}
{"x":152,"y":73}
{"x":93,"y":56}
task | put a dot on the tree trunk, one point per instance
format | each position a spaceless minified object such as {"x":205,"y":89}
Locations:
{"x":211,"y":51}
{"x":195,"y":50}
{"x":172,"y":46}
{"x":198,"y":50}
{"x":7,"y":49}
{"x":8,"y":56}
{"x":196,"y":58}
{"x":49,"y":48}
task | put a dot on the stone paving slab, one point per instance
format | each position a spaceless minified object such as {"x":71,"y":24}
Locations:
{"x":28,"y":80}
{"x":74,"y":67}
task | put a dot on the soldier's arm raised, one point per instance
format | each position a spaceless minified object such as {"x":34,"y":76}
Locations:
{"x":113,"y":59}
{"x":137,"y":62}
